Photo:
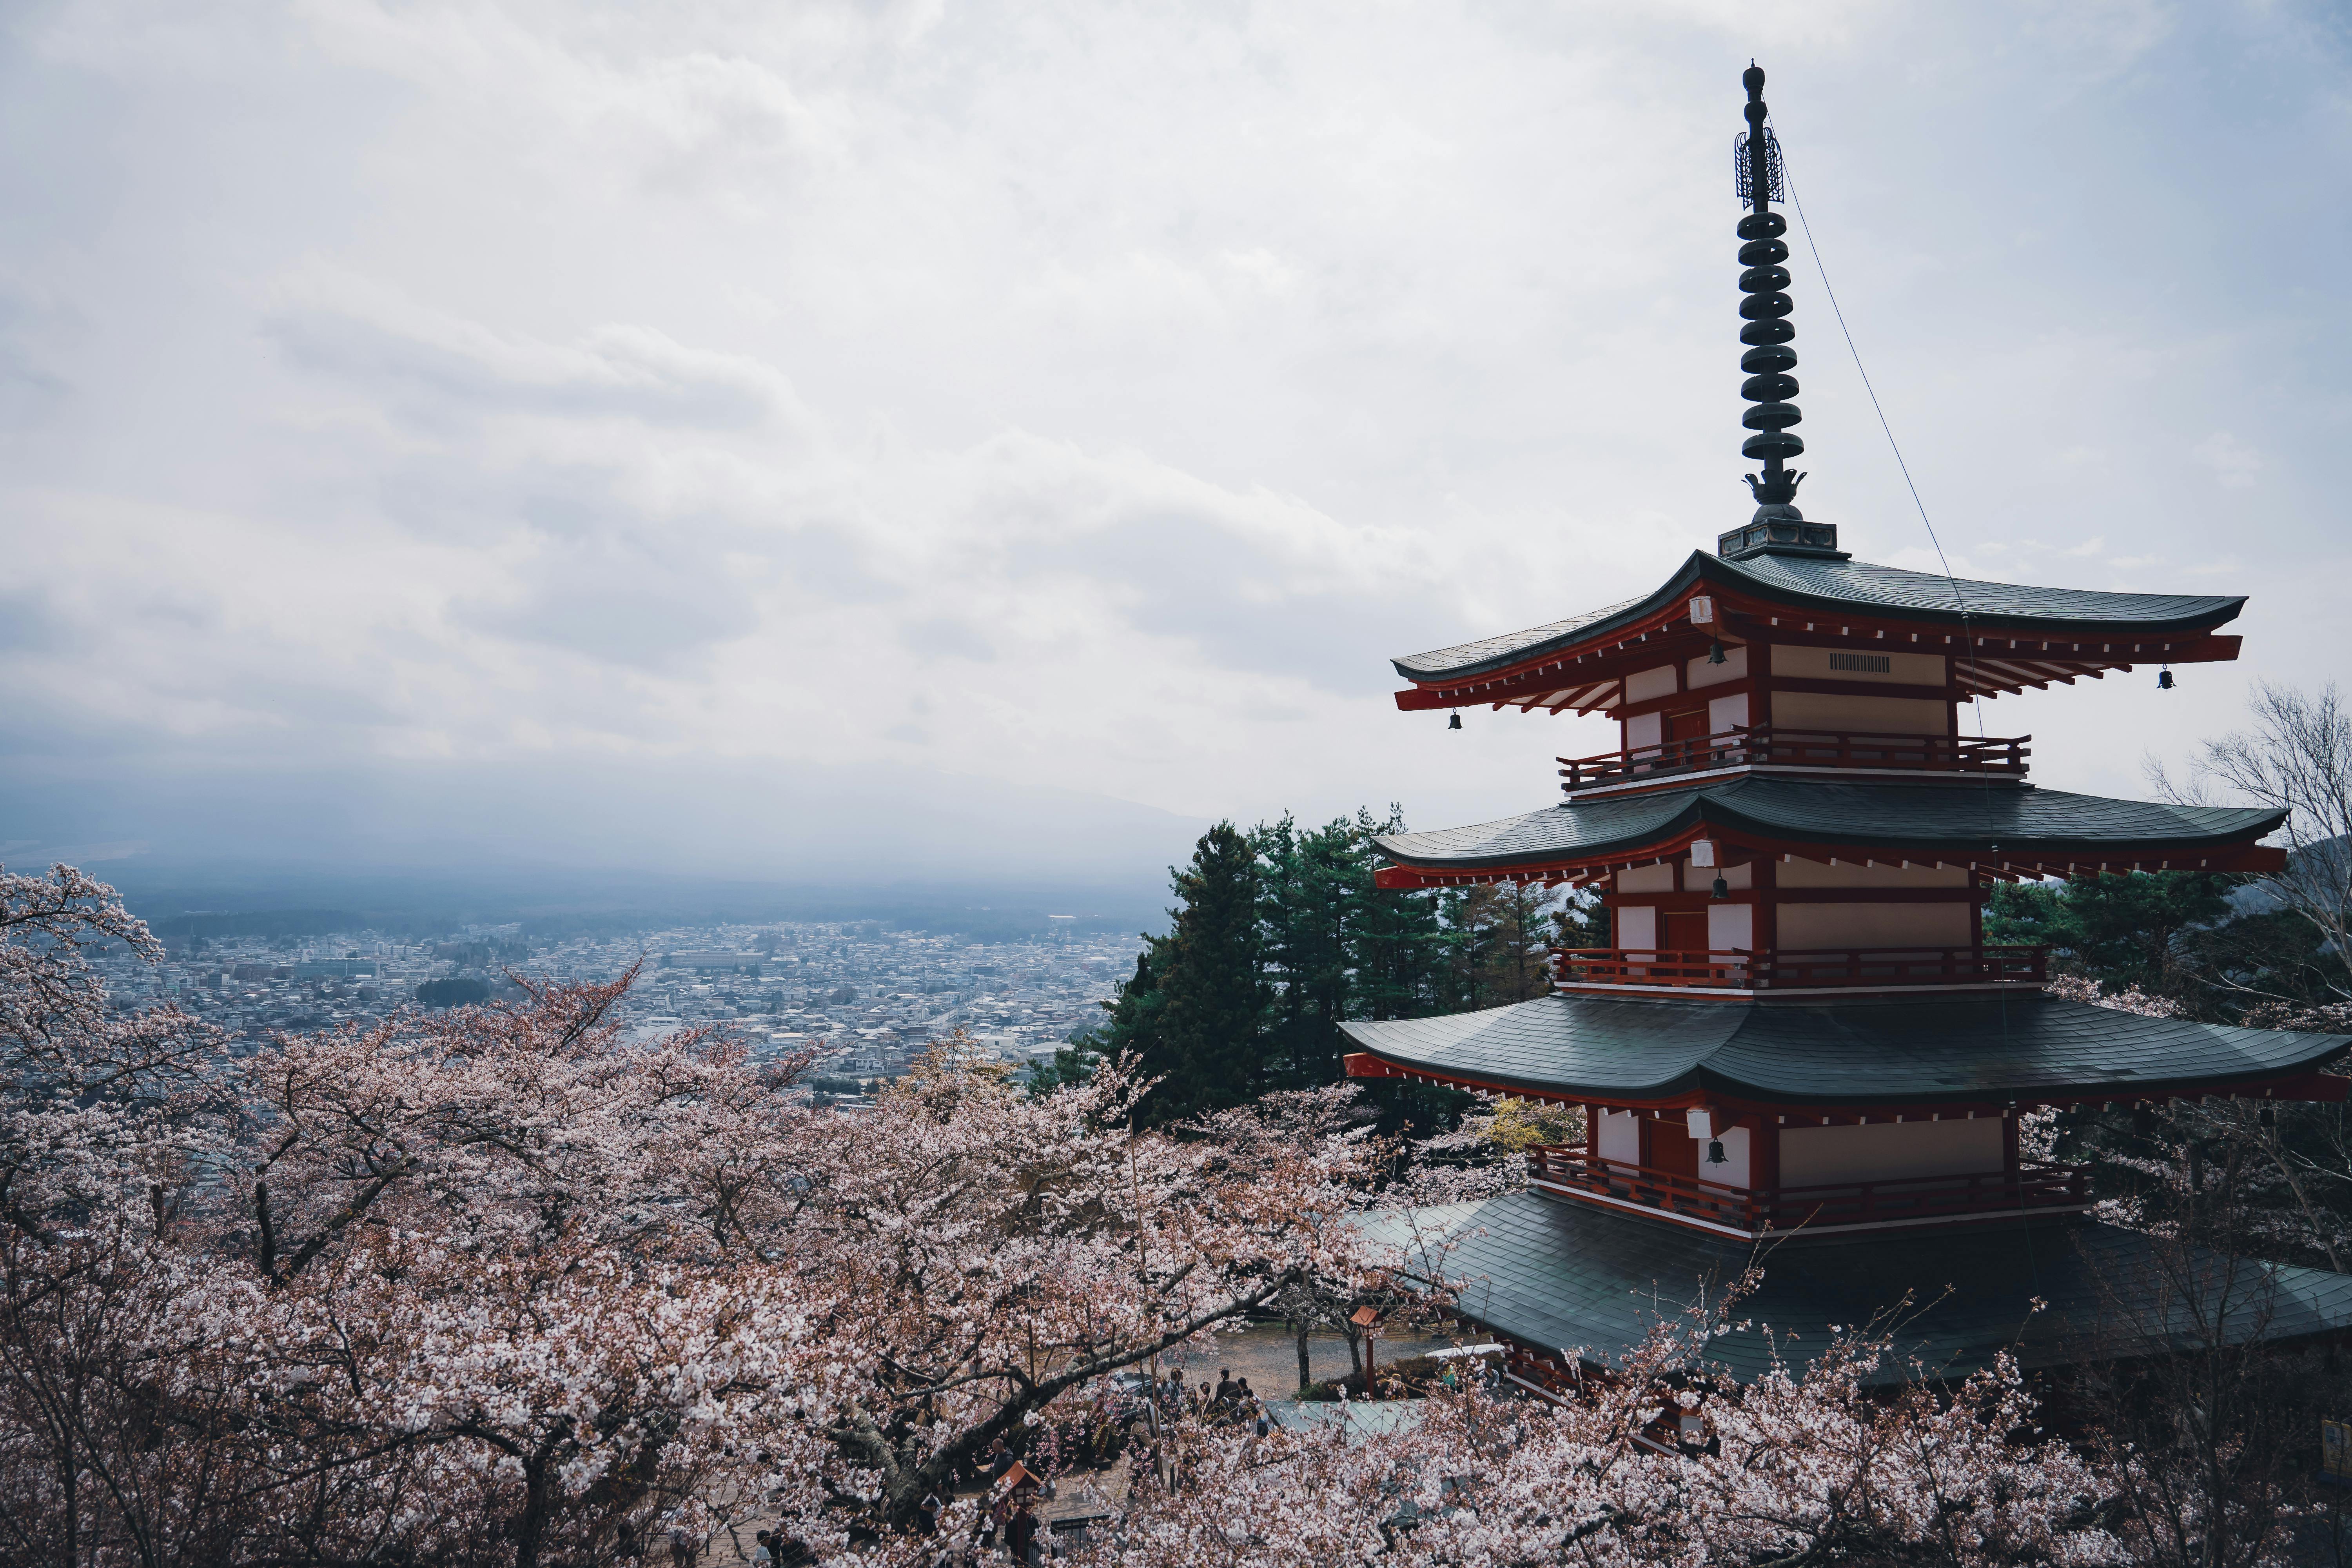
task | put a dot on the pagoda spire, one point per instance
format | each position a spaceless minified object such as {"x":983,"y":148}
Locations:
{"x":1756,"y":155}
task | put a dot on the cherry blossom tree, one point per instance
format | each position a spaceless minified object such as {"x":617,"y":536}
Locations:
{"x":1797,"y":1466}
{"x":497,"y":1283}
{"x":503,"y":1284}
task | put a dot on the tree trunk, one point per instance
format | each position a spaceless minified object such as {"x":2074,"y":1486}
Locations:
{"x":1305,"y":1377}
{"x":533,"y":1522}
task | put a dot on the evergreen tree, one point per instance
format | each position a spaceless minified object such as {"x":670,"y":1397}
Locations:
{"x":1399,"y":954}
{"x":1309,"y":888}
{"x":1134,"y":1018}
{"x":1196,"y":1012}
{"x":1582,"y":920}
{"x":2125,"y":930}
{"x":1499,"y":938}
{"x":1281,"y":935}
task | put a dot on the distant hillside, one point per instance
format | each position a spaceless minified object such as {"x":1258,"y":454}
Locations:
{"x":2326,"y":862}
{"x":746,"y":840}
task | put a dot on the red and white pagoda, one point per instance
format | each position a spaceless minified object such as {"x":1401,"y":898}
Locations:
{"x":1799,"y":1031}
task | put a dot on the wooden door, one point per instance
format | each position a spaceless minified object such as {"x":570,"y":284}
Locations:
{"x":1669,"y":1149}
{"x":1683,"y":931}
{"x":1685,"y":735}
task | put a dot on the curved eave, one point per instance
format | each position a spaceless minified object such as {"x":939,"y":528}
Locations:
{"x":1854,"y":1058}
{"x":1671,"y":826}
{"x":1705,"y":1086}
{"x":1434,"y":672}
{"x":1610,"y":624}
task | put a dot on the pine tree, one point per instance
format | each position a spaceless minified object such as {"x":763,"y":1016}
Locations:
{"x":1134,"y":1018}
{"x":1582,"y":921}
{"x":2127,"y":928}
{"x":1196,"y":1012}
{"x":1308,"y":902}
{"x":1510,"y":959}
{"x":1398,"y":952}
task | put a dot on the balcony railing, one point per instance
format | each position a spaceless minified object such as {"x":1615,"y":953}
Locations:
{"x":2034,"y":1185}
{"x":1767,"y":747}
{"x":1786,"y":969}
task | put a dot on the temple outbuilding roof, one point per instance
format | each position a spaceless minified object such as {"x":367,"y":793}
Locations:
{"x":2023,"y":1048}
{"x":1566,"y":1277}
{"x":2008,"y":821}
{"x":1833,"y":584}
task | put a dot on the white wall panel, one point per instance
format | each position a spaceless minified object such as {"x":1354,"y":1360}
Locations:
{"x":1621,"y":1137}
{"x":1645,"y":684}
{"x":1815,"y":1156}
{"x":1873,"y":925}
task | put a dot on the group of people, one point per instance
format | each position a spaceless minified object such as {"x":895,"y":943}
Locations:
{"x":1232,"y":1401}
{"x":776,"y":1548}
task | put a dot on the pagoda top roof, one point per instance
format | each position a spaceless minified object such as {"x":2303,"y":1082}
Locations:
{"x":1834,"y":584}
{"x":2026,"y":1048}
{"x":2005,"y":823}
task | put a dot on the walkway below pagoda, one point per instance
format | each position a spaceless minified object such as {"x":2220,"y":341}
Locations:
{"x":1558,"y":1277}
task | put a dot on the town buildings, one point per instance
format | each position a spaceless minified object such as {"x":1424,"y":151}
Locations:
{"x":866,"y":997}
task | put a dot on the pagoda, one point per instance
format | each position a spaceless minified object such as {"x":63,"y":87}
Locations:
{"x":1800,"y":1040}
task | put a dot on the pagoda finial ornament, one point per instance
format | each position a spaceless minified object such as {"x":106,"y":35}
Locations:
{"x":1756,"y":157}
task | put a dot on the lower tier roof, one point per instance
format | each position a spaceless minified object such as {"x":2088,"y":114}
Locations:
{"x":2025,"y":1047}
{"x":1999,"y":821}
{"x":1563,"y":1277}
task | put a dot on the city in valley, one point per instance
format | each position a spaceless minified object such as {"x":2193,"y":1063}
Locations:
{"x":864,"y":997}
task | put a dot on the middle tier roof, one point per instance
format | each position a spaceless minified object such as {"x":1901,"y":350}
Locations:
{"x":2028,"y":1050}
{"x":2001,"y":828}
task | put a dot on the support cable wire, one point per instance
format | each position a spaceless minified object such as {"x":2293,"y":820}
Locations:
{"x":1960,"y":600}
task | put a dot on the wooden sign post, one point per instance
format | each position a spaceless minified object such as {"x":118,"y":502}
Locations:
{"x":1366,"y":1319}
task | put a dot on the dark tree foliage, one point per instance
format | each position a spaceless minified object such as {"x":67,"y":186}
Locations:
{"x":2193,"y":937}
{"x":2126,"y":930}
{"x":453,"y":992}
{"x":1200,"y":1027}
{"x":1311,"y":890}
{"x":1500,"y":939}
{"x":2261,"y":962}
{"x":1583,"y":920}
{"x":1280,"y":936}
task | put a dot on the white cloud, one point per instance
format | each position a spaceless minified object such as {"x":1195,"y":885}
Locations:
{"x":2235,"y":464}
{"x":1047,"y":391}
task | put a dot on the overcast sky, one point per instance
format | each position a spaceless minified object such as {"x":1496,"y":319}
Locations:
{"x":1095,"y":396}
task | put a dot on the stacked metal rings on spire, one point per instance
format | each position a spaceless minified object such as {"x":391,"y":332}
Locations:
{"x":1766,"y":309}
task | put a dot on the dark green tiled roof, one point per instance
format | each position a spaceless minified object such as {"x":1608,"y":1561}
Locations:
{"x":1567,"y":1277}
{"x":1955,"y":820}
{"x":1909,"y":1051}
{"x":1856,"y":587}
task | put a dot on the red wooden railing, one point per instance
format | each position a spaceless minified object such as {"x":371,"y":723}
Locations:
{"x":1782,"y":968}
{"x":1767,"y":746}
{"x":2035,"y":1184}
